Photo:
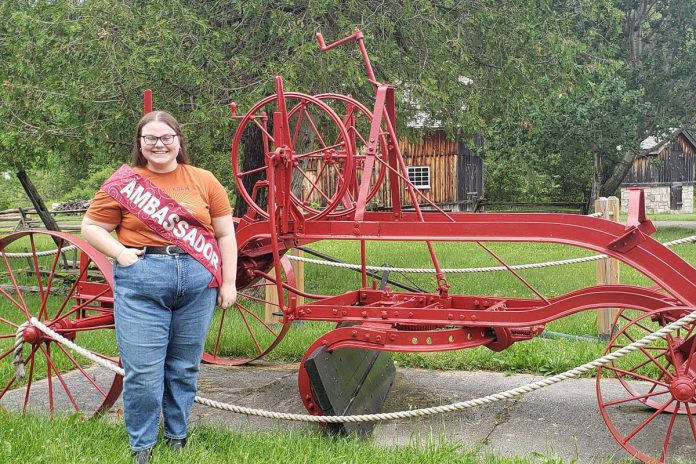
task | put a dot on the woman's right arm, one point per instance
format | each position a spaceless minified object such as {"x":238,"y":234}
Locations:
{"x":98,"y":234}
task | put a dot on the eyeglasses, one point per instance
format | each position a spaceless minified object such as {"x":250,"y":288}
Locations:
{"x":167,"y":139}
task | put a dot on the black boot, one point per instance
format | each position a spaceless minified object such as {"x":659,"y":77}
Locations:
{"x":175,"y":444}
{"x":142,"y":456}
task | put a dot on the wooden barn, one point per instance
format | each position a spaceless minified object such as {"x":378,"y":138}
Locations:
{"x":447,"y":171}
{"x":666,"y":173}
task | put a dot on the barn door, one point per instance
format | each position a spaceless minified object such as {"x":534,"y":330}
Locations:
{"x":469,"y":177}
{"x":676,"y":199}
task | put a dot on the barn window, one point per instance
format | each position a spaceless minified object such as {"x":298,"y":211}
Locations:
{"x":419,"y":176}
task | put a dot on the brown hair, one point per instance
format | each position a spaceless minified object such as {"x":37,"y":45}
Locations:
{"x":137,"y":157}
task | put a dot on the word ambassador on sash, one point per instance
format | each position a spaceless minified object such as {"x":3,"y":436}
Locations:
{"x":138,"y":196}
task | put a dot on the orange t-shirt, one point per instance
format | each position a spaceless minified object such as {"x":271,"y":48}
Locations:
{"x":193,"y":188}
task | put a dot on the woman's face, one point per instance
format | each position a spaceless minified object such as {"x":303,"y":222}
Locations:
{"x":160,"y":145}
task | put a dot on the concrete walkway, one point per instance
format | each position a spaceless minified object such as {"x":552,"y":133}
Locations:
{"x":683,"y":224}
{"x":561,"y":420}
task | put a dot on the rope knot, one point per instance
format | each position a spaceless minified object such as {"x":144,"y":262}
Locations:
{"x":17,"y":361}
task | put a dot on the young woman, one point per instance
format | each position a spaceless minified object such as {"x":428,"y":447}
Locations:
{"x":175,"y":256}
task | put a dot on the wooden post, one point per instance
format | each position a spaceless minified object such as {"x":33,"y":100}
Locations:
{"x":23,"y":220}
{"x":307,"y":187}
{"x":271,"y":296}
{"x":607,"y":268}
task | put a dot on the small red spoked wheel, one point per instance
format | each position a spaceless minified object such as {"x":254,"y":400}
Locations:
{"x":254,"y":325}
{"x":648,"y":398}
{"x":319,"y":153}
{"x":358,"y":121}
{"x":68,"y":287}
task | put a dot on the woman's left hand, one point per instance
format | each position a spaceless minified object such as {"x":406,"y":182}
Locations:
{"x":227,"y":295}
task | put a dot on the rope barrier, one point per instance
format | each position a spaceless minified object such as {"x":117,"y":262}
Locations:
{"x":472,"y":269}
{"x":508,"y":394}
{"x":407,"y":269}
{"x":40,"y":253}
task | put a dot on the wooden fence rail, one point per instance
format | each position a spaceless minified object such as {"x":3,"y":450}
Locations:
{"x":12,"y":220}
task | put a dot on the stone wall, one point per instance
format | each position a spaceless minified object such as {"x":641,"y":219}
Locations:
{"x":658,"y":197}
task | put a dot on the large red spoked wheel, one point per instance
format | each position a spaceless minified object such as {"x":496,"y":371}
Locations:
{"x":319,"y":152}
{"x":358,"y":121}
{"x":648,"y":398}
{"x":77,"y":302}
{"x":254,"y":325}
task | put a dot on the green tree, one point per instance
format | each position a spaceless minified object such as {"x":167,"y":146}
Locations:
{"x":636,"y":82}
{"x":75,"y":71}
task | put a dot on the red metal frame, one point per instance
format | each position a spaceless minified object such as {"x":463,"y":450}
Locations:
{"x":416,"y":322}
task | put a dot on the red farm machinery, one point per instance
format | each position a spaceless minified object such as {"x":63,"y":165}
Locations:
{"x":324,"y":158}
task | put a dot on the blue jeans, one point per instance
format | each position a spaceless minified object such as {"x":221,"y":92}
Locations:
{"x":162,"y":308}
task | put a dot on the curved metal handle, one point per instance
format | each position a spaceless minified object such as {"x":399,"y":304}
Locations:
{"x":356,"y":35}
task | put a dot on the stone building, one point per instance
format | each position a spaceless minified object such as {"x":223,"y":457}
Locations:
{"x":666,"y":173}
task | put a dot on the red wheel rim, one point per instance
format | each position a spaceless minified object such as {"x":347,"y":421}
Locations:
{"x":242,"y":333}
{"x":652,"y":412}
{"x":319,"y":142}
{"x":71,"y":292}
{"x":357,"y":119}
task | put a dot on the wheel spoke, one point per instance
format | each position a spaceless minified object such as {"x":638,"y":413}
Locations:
{"x":43,"y":311}
{"x":263,"y":129}
{"x":668,"y":434}
{"x":314,"y":185}
{"x":251,"y":332}
{"x":339,"y":175}
{"x":6,"y":353}
{"x":636,"y":376}
{"x":216,"y":349}
{"x":71,"y":291}
{"x":12,"y":300}
{"x":649,"y":361}
{"x":319,"y":151}
{"x":37,"y":270}
{"x":31,"y":378}
{"x":296,"y":135}
{"x":49,"y":378}
{"x":252,"y":314}
{"x":23,"y":307}
{"x":81,"y":369}
{"x":634,"y":398}
{"x":316,"y":131}
{"x":10,"y":323}
{"x":647,"y":421}
{"x":647,"y":354}
{"x":690,"y":415}
{"x":252,"y":171}
{"x":49,"y":360}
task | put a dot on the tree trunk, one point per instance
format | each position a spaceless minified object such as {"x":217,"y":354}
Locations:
{"x":254,"y":157}
{"x":605,"y":184}
{"x":37,"y":201}
{"x":41,"y":209}
{"x":618,"y":174}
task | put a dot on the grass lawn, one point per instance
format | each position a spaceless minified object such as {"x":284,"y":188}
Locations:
{"x":33,"y":439}
{"x":30,"y":439}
